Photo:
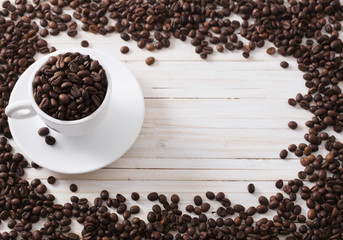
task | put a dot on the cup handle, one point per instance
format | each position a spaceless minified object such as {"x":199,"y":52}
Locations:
{"x":20,"y":110}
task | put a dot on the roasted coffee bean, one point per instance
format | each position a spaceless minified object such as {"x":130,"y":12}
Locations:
{"x":41,"y":188}
{"x":73,"y":187}
{"x":51,"y":180}
{"x":43,"y":131}
{"x":104,"y":195}
{"x":197,"y":200}
{"x":220,"y":196}
{"x":283,"y":154}
{"x":175,"y":198}
{"x":84,"y":43}
{"x":210,"y":195}
{"x":153,"y":196}
{"x":50,"y":140}
{"x":135,"y":196}
{"x":292,"y":125}
{"x":284,"y":64}
{"x":124,"y":49}
{"x":279,"y":183}
{"x":271,"y":50}
{"x":150,"y":61}
{"x":134,"y":209}
{"x":251,"y":188}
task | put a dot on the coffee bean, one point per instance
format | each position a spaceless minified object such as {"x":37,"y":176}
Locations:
{"x":50,"y":140}
{"x":175,"y":198}
{"x":251,"y":188}
{"x":124,"y":49}
{"x":283,"y":154}
{"x":271,"y":50}
{"x":150,"y":61}
{"x":104,"y":195}
{"x":135,"y":209}
{"x":205,"y":207}
{"x":84,"y":43}
{"x":51,"y":180}
{"x":210,"y":195}
{"x":292,"y":125}
{"x":284,"y":64}
{"x":197,"y":200}
{"x":220,"y":196}
{"x":43,"y":131}
{"x":73,"y":187}
{"x":279,"y":183}
{"x":41,"y":188}
{"x":135,"y":196}
{"x":150,"y":47}
{"x":153,"y":196}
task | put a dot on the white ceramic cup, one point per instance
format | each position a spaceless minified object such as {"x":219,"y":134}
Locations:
{"x":29,"y":108}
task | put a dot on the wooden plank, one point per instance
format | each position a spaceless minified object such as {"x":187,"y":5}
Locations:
{"x":190,"y":142}
{"x":205,"y":163}
{"x":175,"y":175}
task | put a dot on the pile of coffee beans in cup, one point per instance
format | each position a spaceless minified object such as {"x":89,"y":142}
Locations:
{"x":70,"y":86}
{"x":307,"y":30}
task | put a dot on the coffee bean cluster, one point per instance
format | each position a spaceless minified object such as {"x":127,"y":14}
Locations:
{"x":306,"y":30}
{"x":70,"y":86}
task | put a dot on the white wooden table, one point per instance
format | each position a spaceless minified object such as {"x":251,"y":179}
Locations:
{"x":215,"y":124}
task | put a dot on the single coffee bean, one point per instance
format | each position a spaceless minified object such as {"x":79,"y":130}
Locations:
{"x":84,"y":43}
{"x":153,"y":196}
{"x":124,"y":49}
{"x":51,"y":180}
{"x":284,"y":64}
{"x":283,"y":154}
{"x":292,"y":125}
{"x":197,"y":200}
{"x":73,"y":187}
{"x":134,"y":209}
{"x":175,"y":198}
{"x":251,"y":188}
{"x":271,"y":50}
{"x":43,"y":131}
{"x":104,"y":195}
{"x":50,"y":140}
{"x":135,"y":196}
{"x":41,"y":188}
{"x":150,"y":61}
{"x":279,"y":183}
{"x":210,"y":195}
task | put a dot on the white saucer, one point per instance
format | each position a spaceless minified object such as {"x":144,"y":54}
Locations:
{"x":81,"y":154}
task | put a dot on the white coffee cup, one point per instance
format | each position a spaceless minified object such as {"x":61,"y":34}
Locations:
{"x":29,"y":108}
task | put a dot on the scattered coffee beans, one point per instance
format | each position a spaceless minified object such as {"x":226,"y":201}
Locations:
{"x":70,"y":86}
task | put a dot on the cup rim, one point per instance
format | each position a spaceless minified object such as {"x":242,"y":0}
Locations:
{"x":78,"y":121}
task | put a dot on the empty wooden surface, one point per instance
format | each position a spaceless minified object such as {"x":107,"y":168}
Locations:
{"x":215,"y":124}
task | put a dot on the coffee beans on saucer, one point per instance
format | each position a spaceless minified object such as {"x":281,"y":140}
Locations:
{"x":70,"y":86}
